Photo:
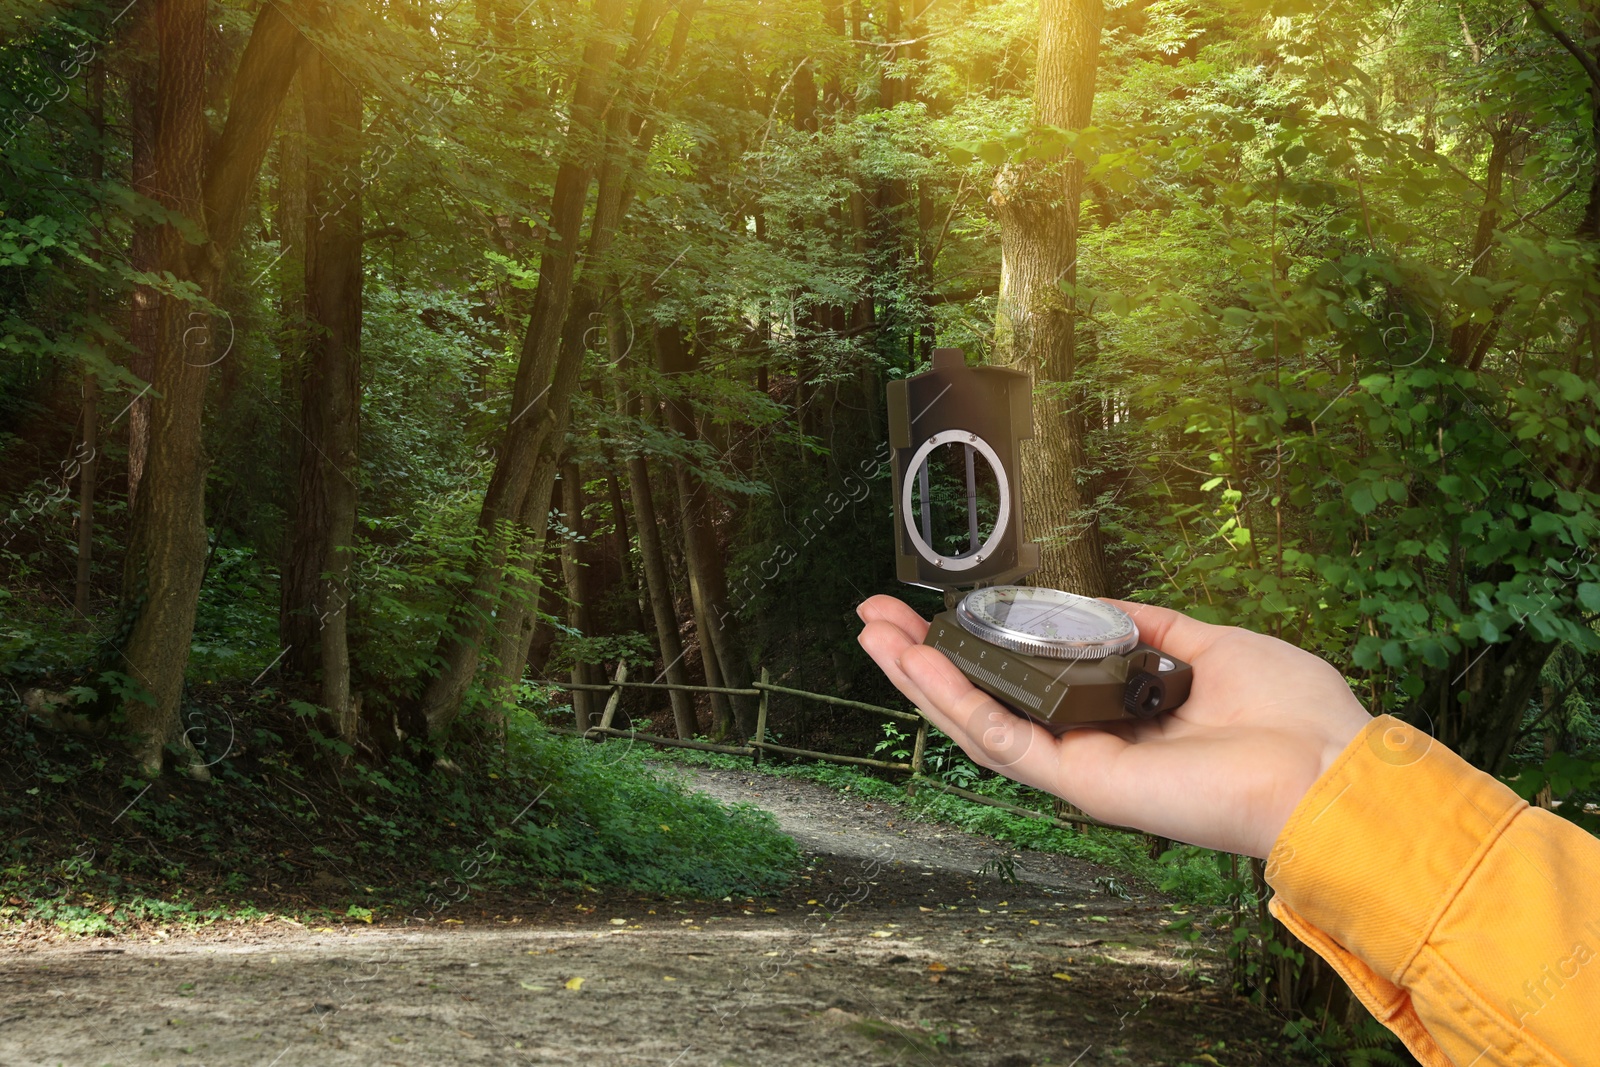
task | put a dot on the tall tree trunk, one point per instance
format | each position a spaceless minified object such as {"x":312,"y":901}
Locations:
{"x":166,"y":541}
{"x":661,"y":599}
{"x":1469,"y":339}
{"x":1037,"y":204}
{"x":89,"y":420}
{"x":518,"y":595}
{"x":721,"y":645}
{"x":290,"y":223}
{"x":657,"y":582}
{"x":167,"y":544}
{"x":518,"y":617}
{"x":634,"y":602}
{"x":318,"y":576}
{"x":580,"y":614}
{"x":705,"y":627}
{"x":535,"y":405}
{"x":143,"y":178}
{"x":553,"y":348}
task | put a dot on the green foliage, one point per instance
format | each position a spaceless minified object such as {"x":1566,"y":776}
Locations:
{"x":1332,"y":389}
{"x":610,"y":820}
{"x":554,"y":812}
{"x":1366,"y":1043}
{"x":1190,"y":875}
{"x":236,"y":623}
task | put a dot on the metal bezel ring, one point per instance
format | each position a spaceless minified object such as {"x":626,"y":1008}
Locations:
{"x":1002,"y":521}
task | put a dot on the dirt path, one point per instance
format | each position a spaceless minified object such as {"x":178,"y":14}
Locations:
{"x":892,"y":949}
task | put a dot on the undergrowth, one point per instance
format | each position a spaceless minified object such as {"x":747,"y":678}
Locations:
{"x":287,"y":827}
{"x":1191,"y":875}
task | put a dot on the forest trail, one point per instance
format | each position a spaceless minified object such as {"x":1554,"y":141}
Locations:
{"x":929,"y":962}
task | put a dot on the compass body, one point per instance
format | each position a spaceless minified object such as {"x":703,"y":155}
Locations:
{"x":1058,"y":658}
{"x":1052,"y":656}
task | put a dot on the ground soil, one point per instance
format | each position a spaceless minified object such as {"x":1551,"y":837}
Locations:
{"x":903,"y":943}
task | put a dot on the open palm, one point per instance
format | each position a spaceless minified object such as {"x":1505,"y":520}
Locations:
{"x":1225,"y":770}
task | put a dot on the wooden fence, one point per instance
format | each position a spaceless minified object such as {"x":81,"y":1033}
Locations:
{"x":758,"y":743}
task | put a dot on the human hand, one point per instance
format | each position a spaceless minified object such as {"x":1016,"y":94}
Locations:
{"x":1225,"y":770}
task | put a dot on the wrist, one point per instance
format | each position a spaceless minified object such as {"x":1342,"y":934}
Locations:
{"x":1339,"y":732}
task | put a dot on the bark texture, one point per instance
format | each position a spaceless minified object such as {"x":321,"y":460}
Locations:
{"x":721,"y":646}
{"x":318,"y":576}
{"x":575,"y":571}
{"x":142,"y":251}
{"x":554,"y":345}
{"x":1037,"y":204}
{"x":167,"y":545}
{"x":535,"y":405}
{"x":166,"y":541}
{"x":661,"y":599}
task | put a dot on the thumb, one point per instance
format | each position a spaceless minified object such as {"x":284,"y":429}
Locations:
{"x":1172,"y":632}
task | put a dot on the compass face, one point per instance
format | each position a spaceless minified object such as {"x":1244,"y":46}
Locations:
{"x":1046,"y":622}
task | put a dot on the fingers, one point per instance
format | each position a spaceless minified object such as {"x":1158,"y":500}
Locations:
{"x":886,"y":643}
{"x":896,"y":613}
{"x":1171,"y":631}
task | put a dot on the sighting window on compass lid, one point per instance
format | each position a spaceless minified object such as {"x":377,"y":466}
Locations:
{"x":955,"y":499}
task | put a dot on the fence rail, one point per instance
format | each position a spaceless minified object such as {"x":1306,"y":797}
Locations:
{"x":758,"y":743}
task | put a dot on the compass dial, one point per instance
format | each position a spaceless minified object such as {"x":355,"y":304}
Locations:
{"x":1046,"y":622}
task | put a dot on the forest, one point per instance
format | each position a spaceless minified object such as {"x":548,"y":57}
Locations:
{"x":382,"y":379}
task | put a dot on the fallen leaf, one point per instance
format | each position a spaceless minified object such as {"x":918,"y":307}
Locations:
{"x":937,"y":966}
{"x":619,"y":922}
{"x":532,"y":988}
{"x":1063,"y":977}
{"x":881,"y":933}
{"x":574,"y":983}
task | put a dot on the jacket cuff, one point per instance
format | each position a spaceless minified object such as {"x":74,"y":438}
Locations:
{"x":1348,"y":861}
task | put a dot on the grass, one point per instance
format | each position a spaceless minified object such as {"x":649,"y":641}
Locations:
{"x":1191,"y":875}
{"x":288,"y":829}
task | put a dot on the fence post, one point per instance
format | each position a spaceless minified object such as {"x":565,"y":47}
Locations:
{"x":917,"y":750}
{"x":761,"y":722}
{"x":615,"y":698}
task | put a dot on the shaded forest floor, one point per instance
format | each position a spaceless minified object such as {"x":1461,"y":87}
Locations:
{"x":902,"y":942}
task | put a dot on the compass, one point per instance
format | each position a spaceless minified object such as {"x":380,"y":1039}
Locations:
{"x":1046,"y":622}
{"x":1056,"y":657}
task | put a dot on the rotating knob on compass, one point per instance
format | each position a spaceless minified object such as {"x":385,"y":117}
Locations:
{"x":1142,"y":697}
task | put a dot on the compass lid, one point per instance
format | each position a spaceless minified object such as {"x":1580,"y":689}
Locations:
{"x":989,"y":411}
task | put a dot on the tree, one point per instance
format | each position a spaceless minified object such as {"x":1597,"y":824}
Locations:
{"x":537,"y":404}
{"x":317,"y":574}
{"x":1035,"y":319}
{"x":208,"y":188}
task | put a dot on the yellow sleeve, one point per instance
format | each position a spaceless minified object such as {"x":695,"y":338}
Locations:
{"x":1466,"y":921}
